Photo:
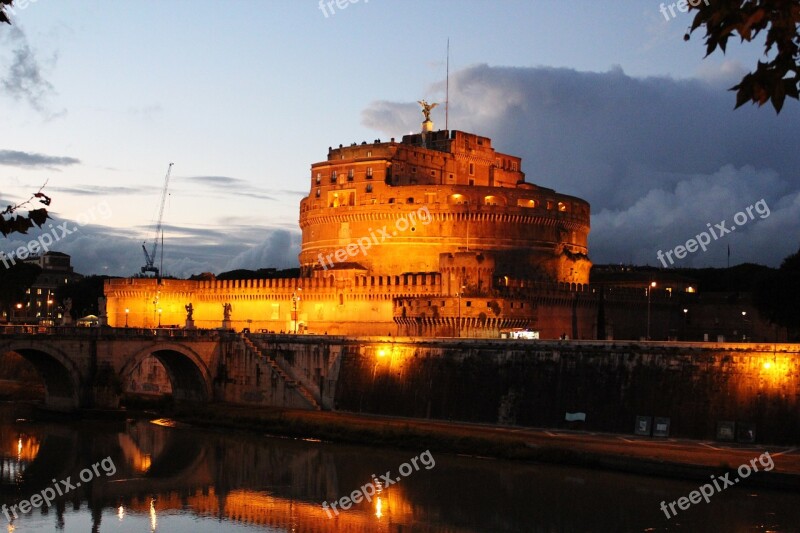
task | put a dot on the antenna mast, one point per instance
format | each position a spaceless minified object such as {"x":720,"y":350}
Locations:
{"x":447,"y":96}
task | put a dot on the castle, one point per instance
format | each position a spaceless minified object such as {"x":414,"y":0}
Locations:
{"x":436,"y":235}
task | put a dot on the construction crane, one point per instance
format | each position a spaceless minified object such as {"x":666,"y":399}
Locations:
{"x":150,"y":257}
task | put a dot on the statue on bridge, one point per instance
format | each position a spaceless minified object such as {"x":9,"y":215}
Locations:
{"x":226,"y":315}
{"x":189,"y":316}
{"x":66,"y":320}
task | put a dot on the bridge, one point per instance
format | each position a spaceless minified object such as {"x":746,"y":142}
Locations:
{"x":86,"y":367}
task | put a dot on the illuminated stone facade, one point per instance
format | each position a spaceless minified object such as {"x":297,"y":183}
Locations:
{"x":437,"y":234}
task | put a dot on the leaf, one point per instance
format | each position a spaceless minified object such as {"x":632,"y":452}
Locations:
{"x":778,"y":96}
{"x":43,"y":198}
{"x":38,"y":216}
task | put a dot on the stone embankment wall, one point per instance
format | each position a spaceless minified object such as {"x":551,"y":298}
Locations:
{"x":535,"y":383}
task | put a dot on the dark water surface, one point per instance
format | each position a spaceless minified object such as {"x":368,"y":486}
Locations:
{"x":183,"y":480}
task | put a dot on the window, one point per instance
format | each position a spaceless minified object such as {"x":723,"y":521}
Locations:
{"x":369,"y":173}
{"x":318,"y":193}
{"x":413,"y":170}
{"x":472,"y":169}
{"x":391,"y":200}
{"x":369,"y":153}
{"x":514,"y":166}
{"x":333,"y":177}
{"x":369,"y":187}
{"x":469,"y":304}
{"x":410,"y":200}
{"x":350,"y":174}
{"x":319,"y":177}
{"x":562,"y":206}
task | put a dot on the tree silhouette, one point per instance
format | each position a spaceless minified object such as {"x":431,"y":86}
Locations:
{"x":3,"y":15}
{"x":778,"y":293}
{"x":13,"y":221}
{"x":779,"y":76}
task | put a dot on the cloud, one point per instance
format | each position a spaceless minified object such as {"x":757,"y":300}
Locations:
{"x":98,"y":249}
{"x":24,"y":79}
{"x":100,"y":190}
{"x":656,"y":157}
{"x":280,"y":250}
{"x":227,"y":186}
{"x":31,"y":159}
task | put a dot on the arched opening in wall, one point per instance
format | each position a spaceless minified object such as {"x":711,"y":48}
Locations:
{"x":456,"y":199}
{"x":179,"y":374}
{"x":494,"y":200}
{"x":149,"y":384}
{"x":51,"y":370}
{"x":19,"y":380}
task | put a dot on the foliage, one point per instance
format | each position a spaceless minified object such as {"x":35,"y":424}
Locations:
{"x":19,"y":223}
{"x":777,"y":294}
{"x":14,"y":281}
{"x":778,"y":76}
{"x":3,"y":15}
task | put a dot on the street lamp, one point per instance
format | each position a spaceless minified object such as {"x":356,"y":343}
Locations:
{"x":649,"y":290}
{"x":685,"y":323}
{"x":295,"y":299}
{"x":744,"y":323}
{"x":127,"y":312}
{"x":49,"y":303}
{"x":159,"y":317}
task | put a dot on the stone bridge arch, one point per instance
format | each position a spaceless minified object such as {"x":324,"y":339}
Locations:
{"x":60,"y":373}
{"x":187,"y":371}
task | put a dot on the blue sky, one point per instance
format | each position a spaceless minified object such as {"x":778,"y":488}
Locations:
{"x":602,"y":99}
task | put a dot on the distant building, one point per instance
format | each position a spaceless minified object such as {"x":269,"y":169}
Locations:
{"x":40,"y":303}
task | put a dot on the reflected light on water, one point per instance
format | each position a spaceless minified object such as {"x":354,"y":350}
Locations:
{"x":153,"y":517}
{"x":378,"y":507}
{"x":121,"y":513}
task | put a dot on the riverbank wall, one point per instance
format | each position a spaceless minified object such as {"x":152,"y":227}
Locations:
{"x":745,"y":392}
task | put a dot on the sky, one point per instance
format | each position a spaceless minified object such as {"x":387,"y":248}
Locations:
{"x":602,"y":99}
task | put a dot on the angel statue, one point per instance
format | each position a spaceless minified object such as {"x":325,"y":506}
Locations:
{"x":189,"y":311}
{"x":226,"y":311}
{"x":426,"y":109}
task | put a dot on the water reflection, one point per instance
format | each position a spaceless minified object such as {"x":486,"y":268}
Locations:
{"x":184,"y":480}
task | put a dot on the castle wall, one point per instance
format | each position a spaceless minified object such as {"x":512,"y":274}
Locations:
{"x":394,"y":207}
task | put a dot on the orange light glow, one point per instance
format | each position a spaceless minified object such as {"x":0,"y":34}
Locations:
{"x":381,"y":353}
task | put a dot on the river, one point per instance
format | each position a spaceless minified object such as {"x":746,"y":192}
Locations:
{"x":144,"y":476}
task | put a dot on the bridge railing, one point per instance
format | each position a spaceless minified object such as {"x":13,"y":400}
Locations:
{"x":93,"y":332}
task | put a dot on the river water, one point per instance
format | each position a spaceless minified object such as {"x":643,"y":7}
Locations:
{"x":151,"y":477}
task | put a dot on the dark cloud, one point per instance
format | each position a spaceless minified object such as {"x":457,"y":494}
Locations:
{"x":31,"y":159}
{"x":657,"y":158}
{"x":24,"y":79}
{"x":97,"y":249}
